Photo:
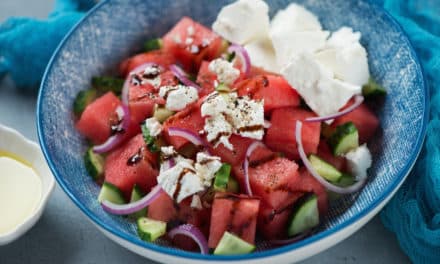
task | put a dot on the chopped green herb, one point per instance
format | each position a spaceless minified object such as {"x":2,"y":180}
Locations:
{"x":149,"y":140}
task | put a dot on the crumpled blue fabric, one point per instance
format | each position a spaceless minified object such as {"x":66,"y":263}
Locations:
{"x":414,"y":212}
{"x":26,"y":44}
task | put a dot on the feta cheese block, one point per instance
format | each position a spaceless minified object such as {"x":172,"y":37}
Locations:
{"x":179,"y":96}
{"x":243,"y":21}
{"x":225,"y":71}
{"x":289,"y":44}
{"x":295,"y":18}
{"x":196,"y":202}
{"x":322,"y":93}
{"x":345,"y":57}
{"x":359,"y":161}
{"x":206,"y":167}
{"x":153,"y":126}
{"x":262,"y":54}
{"x":227,"y":114}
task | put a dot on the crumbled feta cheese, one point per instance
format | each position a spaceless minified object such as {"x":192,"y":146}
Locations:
{"x":182,"y":175}
{"x":359,"y":160}
{"x":346,"y":57}
{"x":179,"y":96}
{"x":190,"y":30}
{"x":262,"y":54}
{"x":243,"y":21}
{"x":153,"y":126}
{"x":186,"y":178}
{"x":324,"y":94}
{"x":196,"y":202}
{"x":189,"y":41}
{"x":177,"y":39}
{"x":206,"y":167}
{"x":227,"y":115}
{"x":225,"y":71}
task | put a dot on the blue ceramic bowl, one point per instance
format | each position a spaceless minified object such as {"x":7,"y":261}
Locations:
{"x":116,"y":29}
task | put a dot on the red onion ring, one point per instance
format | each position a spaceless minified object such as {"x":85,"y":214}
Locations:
{"x":114,"y":140}
{"x":125,"y":209}
{"x":126,"y":87}
{"x":358,"y":99}
{"x":290,"y":240}
{"x":181,"y":75}
{"x":194,"y":233}
{"x":241,"y":52}
{"x":252,"y":147}
{"x":350,"y":189}
{"x":186,"y":134}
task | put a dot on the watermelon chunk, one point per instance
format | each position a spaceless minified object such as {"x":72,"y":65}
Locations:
{"x":235,"y":214}
{"x":274,"y":89}
{"x":191,"y":43}
{"x":96,"y":120}
{"x":190,"y":118}
{"x":160,"y":57}
{"x":281,"y":134}
{"x":364,"y":119}
{"x":124,"y":174}
{"x":206,"y":79}
{"x":325,"y":153}
{"x":236,"y":156}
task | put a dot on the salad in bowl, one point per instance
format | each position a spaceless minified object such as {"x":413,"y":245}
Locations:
{"x":215,"y":137}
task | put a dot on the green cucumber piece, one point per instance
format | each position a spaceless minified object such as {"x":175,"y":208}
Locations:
{"x":82,"y":100}
{"x":108,"y":84}
{"x":149,"y":229}
{"x":223,"y":88}
{"x":94,"y":164}
{"x":231,"y":244}
{"x":136,"y":195}
{"x":373,"y":89}
{"x":149,"y":140}
{"x":110,"y":193}
{"x":222,"y":178}
{"x":233,"y":186}
{"x":344,"y":138}
{"x":153,"y":44}
{"x":325,"y":169}
{"x":305,"y":217}
{"x":161,"y":113}
{"x":345,"y":181}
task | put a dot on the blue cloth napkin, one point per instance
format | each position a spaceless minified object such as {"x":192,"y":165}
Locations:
{"x":413,"y":214}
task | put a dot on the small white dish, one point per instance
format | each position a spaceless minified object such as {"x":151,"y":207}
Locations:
{"x":13,"y":142}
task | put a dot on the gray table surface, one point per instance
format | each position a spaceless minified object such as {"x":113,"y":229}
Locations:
{"x":65,"y":235}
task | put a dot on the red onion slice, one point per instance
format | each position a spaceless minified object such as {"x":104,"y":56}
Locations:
{"x":126,"y":87}
{"x":194,"y":233}
{"x":116,"y":139}
{"x":182,"y":76}
{"x":290,"y":240}
{"x":186,"y":134}
{"x":125,"y":209}
{"x":241,"y":52}
{"x":350,"y":189}
{"x":358,"y":99}
{"x":252,"y":147}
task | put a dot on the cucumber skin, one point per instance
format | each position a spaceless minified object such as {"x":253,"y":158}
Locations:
{"x":115,"y":195}
{"x":147,"y":235}
{"x":373,"y":89}
{"x":338,"y":140}
{"x":136,"y":195}
{"x":295,"y":228}
{"x":153,"y":44}
{"x":107,"y":84}
{"x":94,"y":164}
{"x":232,"y":245}
{"x":222,"y":178}
{"x":325,"y":169}
{"x":82,"y":100}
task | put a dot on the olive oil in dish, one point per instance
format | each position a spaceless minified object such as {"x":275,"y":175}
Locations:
{"x":20,"y":191}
